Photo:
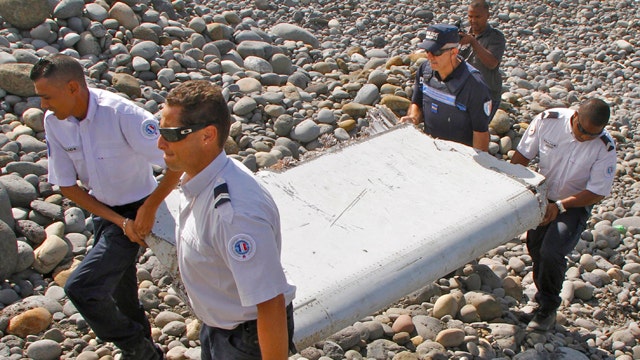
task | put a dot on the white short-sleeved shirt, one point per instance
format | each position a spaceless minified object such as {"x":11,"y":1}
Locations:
{"x":569,"y":165}
{"x":110,"y":151}
{"x":229,"y":242}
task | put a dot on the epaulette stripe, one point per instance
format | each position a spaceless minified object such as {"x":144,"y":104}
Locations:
{"x":550,"y":114}
{"x":221,"y":194}
{"x":608,"y":142}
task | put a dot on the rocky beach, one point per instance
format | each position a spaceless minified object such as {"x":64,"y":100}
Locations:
{"x":300,"y":76}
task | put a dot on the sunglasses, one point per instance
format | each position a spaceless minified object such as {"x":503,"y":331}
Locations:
{"x":439,"y":51}
{"x":585,"y":132}
{"x":174,"y":134}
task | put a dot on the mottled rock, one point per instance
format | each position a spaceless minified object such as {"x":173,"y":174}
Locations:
{"x":44,"y":350}
{"x":306,"y":131}
{"x":403,"y":324}
{"x":14,"y":78}
{"x":127,"y":84}
{"x":24,"y":14}
{"x":31,"y":230}
{"x":450,"y":337}
{"x":49,"y":254}
{"x":174,"y":328}
{"x":346,"y":338}
{"x":8,"y":251}
{"x":30,"y":322}
{"x":124,"y":14}
{"x":445,"y":305}
{"x":295,"y":33}
{"x":34,"y":118}
{"x":48,"y":210}
{"x":68,"y":8}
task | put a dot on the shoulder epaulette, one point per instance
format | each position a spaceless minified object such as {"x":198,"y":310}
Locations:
{"x":221,"y":194}
{"x":550,"y":115}
{"x":608,"y":142}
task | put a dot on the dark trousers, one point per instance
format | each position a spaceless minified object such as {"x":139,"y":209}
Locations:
{"x":104,"y":287}
{"x":240,"y":343}
{"x":548,"y":245}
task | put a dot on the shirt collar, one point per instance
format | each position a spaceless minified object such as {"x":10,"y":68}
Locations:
{"x":204,"y":178}
{"x":93,"y":105}
{"x":486,"y":32}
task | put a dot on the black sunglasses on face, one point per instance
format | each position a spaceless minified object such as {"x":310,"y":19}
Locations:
{"x":174,"y":134}
{"x":439,"y":51}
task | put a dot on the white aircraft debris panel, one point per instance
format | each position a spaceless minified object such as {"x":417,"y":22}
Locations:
{"x":371,"y":222}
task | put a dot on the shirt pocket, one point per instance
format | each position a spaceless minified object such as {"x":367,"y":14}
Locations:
{"x":116,"y":161}
{"x":578,"y":174}
{"x":79,"y":163}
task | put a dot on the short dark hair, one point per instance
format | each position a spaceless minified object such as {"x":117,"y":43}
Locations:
{"x":596,"y":112}
{"x":58,"y":66}
{"x":480,"y":3}
{"x":202,"y":102}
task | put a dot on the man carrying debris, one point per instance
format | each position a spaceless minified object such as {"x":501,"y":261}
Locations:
{"x":228,"y":234}
{"x":108,"y":144}
{"x":578,"y":158}
{"x":449,"y":95}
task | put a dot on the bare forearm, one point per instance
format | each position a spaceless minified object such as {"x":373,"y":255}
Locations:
{"x":518,"y":158}
{"x":485,"y":56}
{"x":147,"y":212}
{"x":414,"y":115}
{"x":273,"y":336}
{"x":583,"y":198}
{"x":82,"y":198}
{"x":481,"y":140}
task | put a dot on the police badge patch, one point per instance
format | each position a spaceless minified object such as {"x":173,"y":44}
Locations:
{"x":149,"y":129}
{"x":610,"y":171}
{"x":487,"y":107}
{"x":241,"y":247}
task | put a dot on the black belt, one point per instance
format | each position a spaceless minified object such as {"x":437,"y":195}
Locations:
{"x":125,"y":208}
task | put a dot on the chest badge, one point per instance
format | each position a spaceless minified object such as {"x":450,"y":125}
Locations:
{"x":548,"y":144}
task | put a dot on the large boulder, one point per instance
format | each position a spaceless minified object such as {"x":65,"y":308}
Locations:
{"x":125,"y":15}
{"x":68,"y":8}
{"x":295,"y":33}
{"x":127,"y":84}
{"x":8,"y":251}
{"x":14,"y":78}
{"x":21,"y":192}
{"x":24,"y":14}
{"x":6,"y":214}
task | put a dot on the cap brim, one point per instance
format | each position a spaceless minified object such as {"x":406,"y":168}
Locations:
{"x":430,"y":46}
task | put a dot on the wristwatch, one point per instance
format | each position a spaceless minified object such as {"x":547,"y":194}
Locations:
{"x":560,"y":207}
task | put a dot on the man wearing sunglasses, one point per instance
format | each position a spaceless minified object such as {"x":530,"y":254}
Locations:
{"x":449,"y":95}
{"x":228,"y":234}
{"x":578,"y":158}
{"x":107,"y":143}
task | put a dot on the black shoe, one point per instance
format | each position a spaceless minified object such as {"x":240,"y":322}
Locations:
{"x":143,"y":350}
{"x":542,"y":321}
{"x":159,"y":351}
{"x":526,"y":317}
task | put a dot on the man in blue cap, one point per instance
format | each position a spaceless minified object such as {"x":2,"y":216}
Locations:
{"x":449,"y":95}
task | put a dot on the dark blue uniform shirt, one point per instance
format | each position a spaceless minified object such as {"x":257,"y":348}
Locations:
{"x":456,"y":107}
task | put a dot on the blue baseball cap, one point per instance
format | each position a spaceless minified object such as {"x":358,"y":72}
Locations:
{"x":440,"y":35}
